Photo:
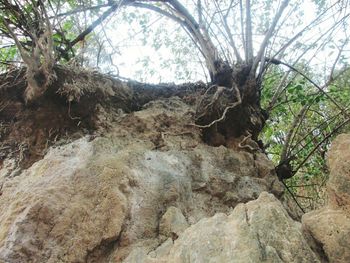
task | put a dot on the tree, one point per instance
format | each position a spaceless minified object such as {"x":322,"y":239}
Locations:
{"x":250,"y":58}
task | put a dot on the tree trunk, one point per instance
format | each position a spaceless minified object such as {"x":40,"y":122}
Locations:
{"x":244,"y":118}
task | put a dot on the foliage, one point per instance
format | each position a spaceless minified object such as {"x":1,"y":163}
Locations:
{"x":321,"y":119}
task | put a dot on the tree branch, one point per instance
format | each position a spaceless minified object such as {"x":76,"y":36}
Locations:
{"x":181,"y":22}
{"x":293,"y":197}
{"x":319,"y":144}
{"x":228,"y":31}
{"x":81,"y":9}
{"x":291,"y":129}
{"x":97,"y":22}
{"x":242,"y":27}
{"x":260,"y":56}
{"x":202,"y":38}
{"x":302,"y":31}
{"x":248,"y":33}
{"x":326,"y":122}
{"x":278,"y":62}
{"x":278,"y":92}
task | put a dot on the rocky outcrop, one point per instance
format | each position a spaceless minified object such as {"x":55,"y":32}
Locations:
{"x":259,"y":231}
{"x":330,"y":226}
{"x":139,"y":184}
{"x":62,"y":208}
{"x":147,"y":189}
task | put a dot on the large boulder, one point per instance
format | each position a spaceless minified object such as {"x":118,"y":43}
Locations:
{"x":330,"y":225}
{"x":259,"y":231}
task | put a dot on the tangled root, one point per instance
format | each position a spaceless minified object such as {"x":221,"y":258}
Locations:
{"x":216,"y":105}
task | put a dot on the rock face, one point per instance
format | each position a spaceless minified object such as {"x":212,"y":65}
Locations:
{"x":147,"y":190}
{"x":330,"y":226}
{"x":259,"y":231}
{"x":62,"y":208}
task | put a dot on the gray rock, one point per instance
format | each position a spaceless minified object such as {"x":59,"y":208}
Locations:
{"x":259,"y":231}
{"x":172,"y":223}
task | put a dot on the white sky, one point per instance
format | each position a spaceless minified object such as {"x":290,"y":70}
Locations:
{"x":128,"y":66}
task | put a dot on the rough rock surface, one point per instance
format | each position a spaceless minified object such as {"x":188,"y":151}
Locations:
{"x":330,"y":226}
{"x":62,"y":208}
{"x":172,"y":223}
{"x":101,"y":197}
{"x":259,"y":231}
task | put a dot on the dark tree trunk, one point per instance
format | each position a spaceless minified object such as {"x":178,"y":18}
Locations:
{"x":247,"y":118}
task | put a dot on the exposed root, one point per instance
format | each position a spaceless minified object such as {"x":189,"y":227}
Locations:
{"x":77,"y":103}
{"x":217,"y":93}
{"x":248,"y":143}
{"x":69,"y":112}
{"x":215,"y":99}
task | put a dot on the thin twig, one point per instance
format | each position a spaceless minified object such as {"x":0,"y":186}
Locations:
{"x":319,"y":144}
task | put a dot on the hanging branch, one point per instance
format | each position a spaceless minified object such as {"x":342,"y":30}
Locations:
{"x":97,"y":22}
{"x":278,"y":62}
{"x":328,"y":121}
{"x":320,"y":143}
{"x":293,"y":197}
{"x":298,"y":119}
